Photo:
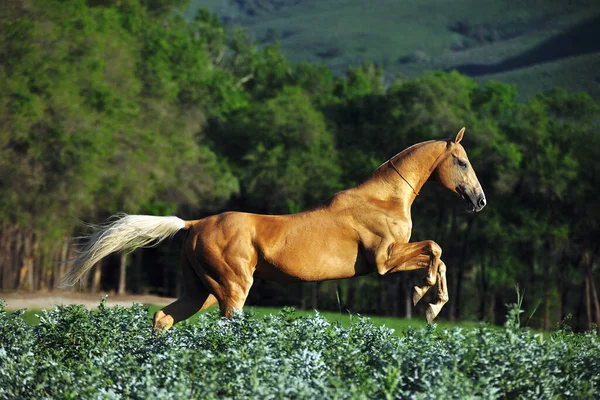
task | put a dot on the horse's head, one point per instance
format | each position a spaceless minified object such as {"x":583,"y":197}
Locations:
{"x":456,"y":174}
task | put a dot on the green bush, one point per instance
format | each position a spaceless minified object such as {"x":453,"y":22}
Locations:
{"x":111,"y":353}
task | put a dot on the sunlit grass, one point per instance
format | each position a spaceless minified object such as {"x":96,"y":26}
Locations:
{"x":398,"y":324}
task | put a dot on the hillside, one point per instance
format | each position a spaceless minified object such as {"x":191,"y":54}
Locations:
{"x":536,"y":44}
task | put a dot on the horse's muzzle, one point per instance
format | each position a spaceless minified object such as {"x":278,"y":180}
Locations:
{"x":475,"y":201}
{"x":481,"y":202}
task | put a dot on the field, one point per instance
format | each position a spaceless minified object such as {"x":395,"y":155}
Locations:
{"x":535,"y":44}
{"x":346,"y":320}
{"x":111,"y":353}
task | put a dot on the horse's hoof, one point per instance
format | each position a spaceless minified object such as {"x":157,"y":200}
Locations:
{"x":415,"y":298}
{"x":162,"y":322}
{"x":431,"y":313}
{"x":157,"y":332}
{"x":418,"y":293}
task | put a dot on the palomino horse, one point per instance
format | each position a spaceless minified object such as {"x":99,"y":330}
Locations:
{"x":359,"y":231}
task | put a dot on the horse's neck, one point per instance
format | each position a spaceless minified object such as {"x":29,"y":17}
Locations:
{"x":414,"y":166}
{"x":417,"y":163}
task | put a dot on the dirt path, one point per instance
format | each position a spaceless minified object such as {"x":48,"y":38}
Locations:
{"x":49,"y":300}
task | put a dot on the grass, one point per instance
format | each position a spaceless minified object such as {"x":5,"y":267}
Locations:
{"x":398,"y":324}
{"x":412,"y":36}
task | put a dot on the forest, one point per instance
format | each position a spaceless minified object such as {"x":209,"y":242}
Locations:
{"x":126,"y":105}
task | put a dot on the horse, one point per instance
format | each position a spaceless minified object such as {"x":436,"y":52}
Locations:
{"x":359,"y":231}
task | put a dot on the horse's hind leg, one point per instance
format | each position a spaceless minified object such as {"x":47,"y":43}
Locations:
{"x":182,"y":308}
{"x":229,"y":273}
{"x":235,"y":296}
{"x":196,"y":297}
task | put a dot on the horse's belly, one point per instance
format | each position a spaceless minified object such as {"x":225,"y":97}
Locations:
{"x":311,"y":247}
{"x":313,"y":265}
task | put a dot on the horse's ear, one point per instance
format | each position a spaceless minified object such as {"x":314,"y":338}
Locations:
{"x":459,"y":136}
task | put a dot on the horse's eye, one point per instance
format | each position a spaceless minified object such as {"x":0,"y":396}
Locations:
{"x":462,"y":163}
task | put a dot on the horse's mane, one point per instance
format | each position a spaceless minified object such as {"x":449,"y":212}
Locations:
{"x":406,"y":151}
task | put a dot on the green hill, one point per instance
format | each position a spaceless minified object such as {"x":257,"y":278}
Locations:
{"x":537,"y":44}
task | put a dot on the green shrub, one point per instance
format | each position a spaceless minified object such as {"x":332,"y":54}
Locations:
{"x":111,"y":353}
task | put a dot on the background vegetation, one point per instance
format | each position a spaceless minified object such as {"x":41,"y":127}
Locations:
{"x":125,"y":105}
{"x":75,"y":353}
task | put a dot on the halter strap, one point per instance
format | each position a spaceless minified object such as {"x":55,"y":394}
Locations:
{"x":403,"y":178}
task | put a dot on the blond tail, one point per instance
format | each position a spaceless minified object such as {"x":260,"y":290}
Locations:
{"x":121,"y":232}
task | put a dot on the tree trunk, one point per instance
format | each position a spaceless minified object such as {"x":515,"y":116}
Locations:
{"x":381,"y":299}
{"x":303,"y":296}
{"x":452,"y":290}
{"x":315,"y":295}
{"x":54,"y":273}
{"x":492,"y":309}
{"x":62,"y":262}
{"x":588,"y":303}
{"x":18,"y":254}
{"x":37,"y":264}
{"x":546,"y":289}
{"x":458,"y":295}
{"x":596,"y":302}
{"x":408,"y":305}
{"x":97,"y":277}
{"x":3,"y":257}
{"x":385,"y":298}
{"x":591,"y":292}
{"x":483,"y":290}
{"x":136,"y":278}
{"x":562,"y":285}
{"x":122,"y":273}
{"x":395,"y":298}
{"x":350,"y":289}
{"x":26,"y":270}
{"x":13,"y":257}
{"x":564,"y":297}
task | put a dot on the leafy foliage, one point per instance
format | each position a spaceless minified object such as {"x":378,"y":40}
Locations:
{"x":75,"y":353}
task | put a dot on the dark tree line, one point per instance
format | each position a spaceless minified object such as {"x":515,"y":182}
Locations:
{"x":110,"y":106}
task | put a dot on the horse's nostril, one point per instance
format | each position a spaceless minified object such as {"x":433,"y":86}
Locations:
{"x":482,"y":202}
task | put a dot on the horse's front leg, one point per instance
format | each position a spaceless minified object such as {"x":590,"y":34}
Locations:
{"x":433,"y":309}
{"x":421,"y":262}
{"x":419,"y":255}
{"x":397,"y":257}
